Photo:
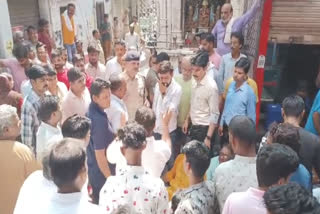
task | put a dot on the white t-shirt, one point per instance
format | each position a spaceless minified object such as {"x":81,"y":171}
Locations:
{"x":113,"y":67}
{"x":154,"y":156}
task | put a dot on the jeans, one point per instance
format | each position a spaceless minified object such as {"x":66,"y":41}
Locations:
{"x":71,"y":49}
{"x":174,"y":154}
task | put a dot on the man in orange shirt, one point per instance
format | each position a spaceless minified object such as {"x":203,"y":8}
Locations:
{"x":69,"y":30}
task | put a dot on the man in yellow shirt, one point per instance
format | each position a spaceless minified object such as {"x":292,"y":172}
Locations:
{"x":69,"y":30}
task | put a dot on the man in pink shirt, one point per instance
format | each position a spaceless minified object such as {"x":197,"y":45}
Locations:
{"x":18,"y":65}
{"x":207,"y":43}
{"x":275,"y":164}
{"x":57,"y":61}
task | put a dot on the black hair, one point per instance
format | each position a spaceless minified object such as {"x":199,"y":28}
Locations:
{"x":76,"y":126}
{"x":39,"y":45}
{"x":243,"y":63}
{"x":287,"y":134}
{"x":74,"y":74}
{"x":97,"y":86}
{"x":275,"y":161}
{"x":48,"y":105}
{"x":30,"y":28}
{"x":21,"y":51}
{"x":67,"y":158}
{"x":91,"y":48}
{"x":120,"y":42}
{"x":71,"y":5}
{"x":197,"y":155}
{"x":115,"y":18}
{"x":239,"y":36}
{"x":293,"y":106}
{"x":77,"y":57}
{"x":94,"y":32}
{"x":50,"y":71}
{"x":208,"y":37}
{"x":56,"y":53}
{"x":36,"y":71}
{"x":146,"y":117}
{"x":106,"y":16}
{"x":133,"y":135}
{"x":42,"y":23}
{"x":163,"y":56}
{"x":176,"y":200}
{"x":290,"y":198}
{"x":115,"y":82}
{"x":201,"y":59}
{"x":244,"y":129}
{"x":165,"y":67}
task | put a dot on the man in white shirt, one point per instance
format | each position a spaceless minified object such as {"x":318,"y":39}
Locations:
{"x":157,"y":152}
{"x":114,"y":66}
{"x":132,"y":39}
{"x":239,"y":174}
{"x":117,"y":112}
{"x":167,"y":99}
{"x":134,"y":186}
{"x":94,"y":68}
{"x":49,"y":130}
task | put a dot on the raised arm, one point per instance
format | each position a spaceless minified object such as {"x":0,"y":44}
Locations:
{"x":243,"y":20}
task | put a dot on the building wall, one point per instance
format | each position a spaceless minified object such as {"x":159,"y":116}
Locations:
{"x":6,"y":43}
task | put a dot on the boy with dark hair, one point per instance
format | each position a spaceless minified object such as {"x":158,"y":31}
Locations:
{"x":55,"y":87}
{"x":293,"y":110}
{"x":207,"y":42}
{"x":290,"y":199}
{"x":101,"y":136}
{"x":77,"y":127}
{"x":275,"y":165}
{"x":78,"y":98}
{"x":114,"y":65}
{"x":149,"y":193}
{"x":49,"y":130}
{"x":58,"y":64}
{"x":200,"y":196}
{"x":239,"y":174}
{"x":94,"y":68}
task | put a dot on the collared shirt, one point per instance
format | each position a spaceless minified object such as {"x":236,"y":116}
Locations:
{"x":184,"y":106}
{"x":72,"y":104}
{"x":46,"y":136}
{"x":250,"y":201}
{"x":214,"y":163}
{"x":198,"y":199}
{"x":250,"y":82}
{"x":63,"y":77}
{"x":315,"y":108}
{"x":29,"y":119}
{"x":219,"y":29}
{"x":204,"y":102}
{"x":235,"y":175}
{"x":135,"y":95}
{"x":154,"y":156}
{"x":113,"y":67}
{"x":138,"y":189}
{"x":226,"y":70}
{"x":17,"y":71}
{"x":97,"y":43}
{"x":115,"y":111}
{"x":17,"y":163}
{"x":37,"y":188}
{"x":239,"y":101}
{"x":169,"y":102}
{"x":97,"y":72}
{"x":101,"y":136}
{"x":132,"y":40}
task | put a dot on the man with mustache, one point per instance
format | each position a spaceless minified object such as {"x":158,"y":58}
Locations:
{"x":167,"y":99}
{"x":204,"y":109}
{"x":227,"y":25}
{"x":29,"y":114}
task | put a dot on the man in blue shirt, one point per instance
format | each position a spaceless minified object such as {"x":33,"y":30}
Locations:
{"x":240,"y":99}
{"x":313,"y":122}
{"x":101,"y":137}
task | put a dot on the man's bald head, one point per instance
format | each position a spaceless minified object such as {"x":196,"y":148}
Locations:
{"x":186,"y":70}
{"x":226,"y":13}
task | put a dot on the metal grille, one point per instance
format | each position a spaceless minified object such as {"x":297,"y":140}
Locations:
{"x":148,"y":20}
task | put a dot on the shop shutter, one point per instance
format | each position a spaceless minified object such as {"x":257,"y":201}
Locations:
{"x":295,"y":21}
{"x":24,"y":13}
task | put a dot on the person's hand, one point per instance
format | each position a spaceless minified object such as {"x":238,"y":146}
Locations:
{"x":166,"y":118}
{"x":185,"y":127}
{"x":162,"y":88}
{"x":220,"y":131}
{"x":207,"y":142}
{"x":147,"y":103}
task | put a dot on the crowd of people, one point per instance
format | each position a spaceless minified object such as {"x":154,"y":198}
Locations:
{"x":102,"y":135}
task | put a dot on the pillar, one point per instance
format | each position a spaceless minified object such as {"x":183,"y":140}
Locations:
{"x":6,"y":42}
